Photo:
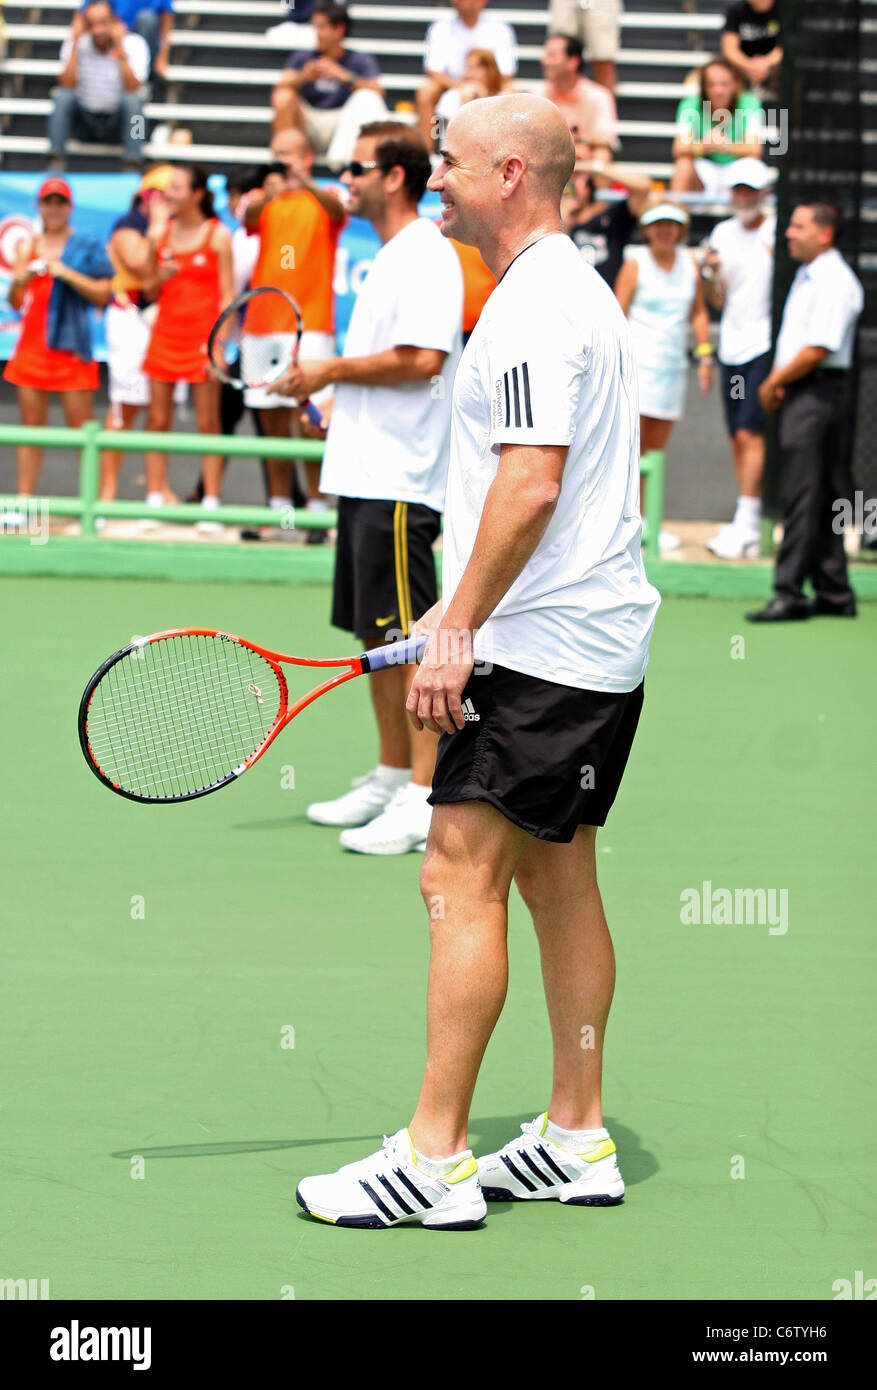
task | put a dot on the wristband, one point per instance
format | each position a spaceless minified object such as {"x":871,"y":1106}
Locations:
{"x":704,"y":350}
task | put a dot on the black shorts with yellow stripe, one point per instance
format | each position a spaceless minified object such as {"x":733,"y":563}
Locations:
{"x":385,"y":576}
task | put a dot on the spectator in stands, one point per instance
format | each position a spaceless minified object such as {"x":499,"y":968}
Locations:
{"x":810,"y":384}
{"x":153,"y":20}
{"x":448,"y":42}
{"x":330,"y":92}
{"x":601,"y":228}
{"x":738,"y":280}
{"x":752,"y":41}
{"x":659,"y":289}
{"x":189,"y":269}
{"x":598,"y":25}
{"x":386,"y":459}
{"x":717,"y":125}
{"x":587,"y":108}
{"x":479,"y":282}
{"x":130,"y":315}
{"x":100,"y":99}
{"x":481,"y":78}
{"x":298,"y":228}
{"x":2,"y":34}
{"x":55,"y":277}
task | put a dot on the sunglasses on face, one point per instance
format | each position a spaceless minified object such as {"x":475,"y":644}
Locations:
{"x":356,"y":168}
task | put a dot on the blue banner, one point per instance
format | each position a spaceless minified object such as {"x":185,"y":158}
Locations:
{"x":99,"y":199}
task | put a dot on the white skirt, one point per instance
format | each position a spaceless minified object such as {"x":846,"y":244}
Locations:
{"x":127,"y":333}
{"x":662,"y":392}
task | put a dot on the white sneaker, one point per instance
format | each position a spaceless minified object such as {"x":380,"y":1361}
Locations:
{"x":388,"y":1188}
{"x":733,"y":543}
{"x":401,"y":827}
{"x":667,"y":541}
{"x":357,"y":807}
{"x":535,"y":1168}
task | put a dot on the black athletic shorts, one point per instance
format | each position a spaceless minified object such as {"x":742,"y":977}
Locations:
{"x":740,"y":394}
{"x":385,"y":575}
{"x":549,"y":757}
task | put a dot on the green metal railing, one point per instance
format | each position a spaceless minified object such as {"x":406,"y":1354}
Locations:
{"x":91,"y":439}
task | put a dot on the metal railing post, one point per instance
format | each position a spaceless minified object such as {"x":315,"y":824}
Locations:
{"x":89,"y":467}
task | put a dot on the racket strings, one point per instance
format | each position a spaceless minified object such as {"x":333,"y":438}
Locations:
{"x":179,"y":715}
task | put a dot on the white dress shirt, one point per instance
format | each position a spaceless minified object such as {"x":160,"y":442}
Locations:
{"x":822,"y":309}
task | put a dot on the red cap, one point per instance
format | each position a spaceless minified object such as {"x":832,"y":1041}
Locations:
{"x":55,"y":186}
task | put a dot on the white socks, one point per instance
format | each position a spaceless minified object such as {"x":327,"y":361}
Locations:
{"x":748,"y":513}
{"x":575,"y":1139}
{"x":440,"y":1167}
{"x":280,"y":504}
{"x":393,"y":776}
{"x":155,"y":499}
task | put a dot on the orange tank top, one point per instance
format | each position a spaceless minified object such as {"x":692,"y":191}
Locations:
{"x":188,"y":303}
{"x":297,"y":247}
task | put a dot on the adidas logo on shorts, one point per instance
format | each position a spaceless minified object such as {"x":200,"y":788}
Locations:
{"x":469,"y":712}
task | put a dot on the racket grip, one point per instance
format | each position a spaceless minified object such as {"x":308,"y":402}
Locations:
{"x":405,"y":653}
{"x":314,"y":414}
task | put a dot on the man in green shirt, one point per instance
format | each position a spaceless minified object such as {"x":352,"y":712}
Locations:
{"x":717,"y":125}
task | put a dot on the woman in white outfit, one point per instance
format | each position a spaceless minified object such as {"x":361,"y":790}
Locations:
{"x":659,"y":289}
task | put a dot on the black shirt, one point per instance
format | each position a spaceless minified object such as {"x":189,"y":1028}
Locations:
{"x":759,"y":33}
{"x":601,"y":239}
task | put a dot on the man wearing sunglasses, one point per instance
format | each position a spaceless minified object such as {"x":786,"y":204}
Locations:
{"x":386,"y":460}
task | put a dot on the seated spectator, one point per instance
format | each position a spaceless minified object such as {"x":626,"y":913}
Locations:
{"x":330,"y":92}
{"x":2,"y":34}
{"x":481,"y":78}
{"x":717,"y":126}
{"x":598,"y":25}
{"x":153,"y":20}
{"x":600,"y":228}
{"x":448,"y":42}
{"x":587,"y":108}
{"x":100,"y":99}
{"x":56,"y":276}
{"x":751,"y":41}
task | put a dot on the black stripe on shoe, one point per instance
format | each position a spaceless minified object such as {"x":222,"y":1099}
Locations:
{"x":525,"y":1182}
{"x":418,"y":1196}
{"x":551,"y":1164}
{"x":549,"y":1182}
{"x":409,"y":1211}
{"x":377,"y":1201}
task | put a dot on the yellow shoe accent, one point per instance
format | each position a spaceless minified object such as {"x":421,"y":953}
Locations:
{"x":329,"y":1220}
{"x":463,"y":1170}
{"x":603,"y":1150}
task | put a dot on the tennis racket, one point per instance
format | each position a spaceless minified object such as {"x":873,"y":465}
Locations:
{"x":242,"y":359}
{"x":184,"y":712}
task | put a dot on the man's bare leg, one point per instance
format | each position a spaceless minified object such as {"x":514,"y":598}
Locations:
{"x":559,"y":886}
{"x":467,"y":872}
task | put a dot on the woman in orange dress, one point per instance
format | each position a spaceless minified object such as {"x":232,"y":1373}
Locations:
{"x":35,"y":369}
{"x":191,"y":271}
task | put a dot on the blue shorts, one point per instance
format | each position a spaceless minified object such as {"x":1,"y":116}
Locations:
{"x":740,"y":385}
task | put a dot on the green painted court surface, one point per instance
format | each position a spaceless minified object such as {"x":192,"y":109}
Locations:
{"x":154,"y":956}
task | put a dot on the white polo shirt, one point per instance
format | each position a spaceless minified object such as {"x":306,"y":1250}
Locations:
{"x":822,"y":310}
{"x":392,"y":441}
{"x":449,"y":40}
{"x":99,"y":85}
{"x":746,"y":270}
{"x":550,"y":362}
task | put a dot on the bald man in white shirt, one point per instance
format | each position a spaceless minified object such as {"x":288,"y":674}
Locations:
{"x":543,"y":582}
{"x":810,"y":385}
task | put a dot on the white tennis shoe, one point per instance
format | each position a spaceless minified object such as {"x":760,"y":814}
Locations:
{"x":388,"y":1189}
{"x":535,"y":1168}
{"x":402,"y":826}
{"x":369,"y":796}
{"x":735,"y":543}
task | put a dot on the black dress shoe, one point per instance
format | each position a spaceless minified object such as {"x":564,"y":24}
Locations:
{"x":822,"y":608}
{"x":781,"y":610}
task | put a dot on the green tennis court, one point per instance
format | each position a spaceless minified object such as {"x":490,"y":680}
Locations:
{"x":155,"y":1117}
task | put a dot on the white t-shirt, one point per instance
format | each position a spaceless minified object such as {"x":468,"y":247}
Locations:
{"x":550,"y":362}
{"x":822,"y":310}
{"x":449,"y":40}
{"x":747,"y":267}
{"x":99,"y":85}
{"x":392,"y":441}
